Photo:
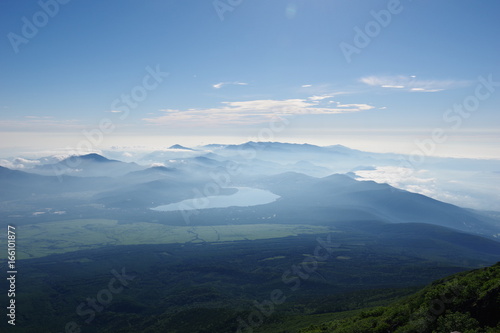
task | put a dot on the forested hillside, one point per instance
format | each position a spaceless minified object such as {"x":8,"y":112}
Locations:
{"x":465,"y":302}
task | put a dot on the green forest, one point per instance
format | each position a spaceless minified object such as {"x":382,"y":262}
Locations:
{"x":466,"y":302}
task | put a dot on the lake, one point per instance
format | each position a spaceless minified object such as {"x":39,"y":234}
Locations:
{"x":246,"y":196}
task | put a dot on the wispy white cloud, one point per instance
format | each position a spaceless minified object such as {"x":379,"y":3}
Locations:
{"x":38,"y":117}
{"x":319,"y":97}
{"x":30,"y":123}
{"x":425,"y":90}
{"x":414,"y":181}
{"x":390,"y":86}
{"x":396,"y":176}
{"x":411,"y":83}
{"x":236,"y":83}
{"x":21,"y":163}
{"x":306,"y":85}
{"x":255,"y":111}
{"x":18,"y":163}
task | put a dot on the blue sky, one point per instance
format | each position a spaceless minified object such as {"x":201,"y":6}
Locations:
{"x":266,"y":70}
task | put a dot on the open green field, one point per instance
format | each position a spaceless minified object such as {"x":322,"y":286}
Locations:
{"x":43,"y":239}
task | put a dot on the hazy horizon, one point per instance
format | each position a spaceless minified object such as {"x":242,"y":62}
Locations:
{"x":402,"y":145}
{"x":352,"y":73}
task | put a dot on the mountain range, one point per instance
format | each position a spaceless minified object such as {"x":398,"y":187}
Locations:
{"x":114,"y":188}
{"x":203,"y":267}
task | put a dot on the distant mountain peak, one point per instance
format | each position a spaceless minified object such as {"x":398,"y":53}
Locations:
{"x":160,"y":168}
{"x":338,"y":176}
{"x":206,"y":160}
{"x":91,"y":157}
{"x":289,"y":147}
{"x":290,"y":177}
{"x":153,"y":169}
{"x":177,"y":146}
{"x":280,"y":146}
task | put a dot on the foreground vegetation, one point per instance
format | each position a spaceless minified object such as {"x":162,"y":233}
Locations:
{"x":466,"y":302}
{"x":224,"y":287}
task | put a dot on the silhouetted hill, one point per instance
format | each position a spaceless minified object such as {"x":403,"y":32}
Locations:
{"x":90,"y":165}
{"x":16,"y":184}
{"x":89,"y":157}
{"x":337,"y":196}
{"x":284,"y":147}
{"x":177,"y":146}
{"x":155,"y":170}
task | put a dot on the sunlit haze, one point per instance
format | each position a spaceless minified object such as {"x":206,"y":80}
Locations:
{"x":378,"y":76}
